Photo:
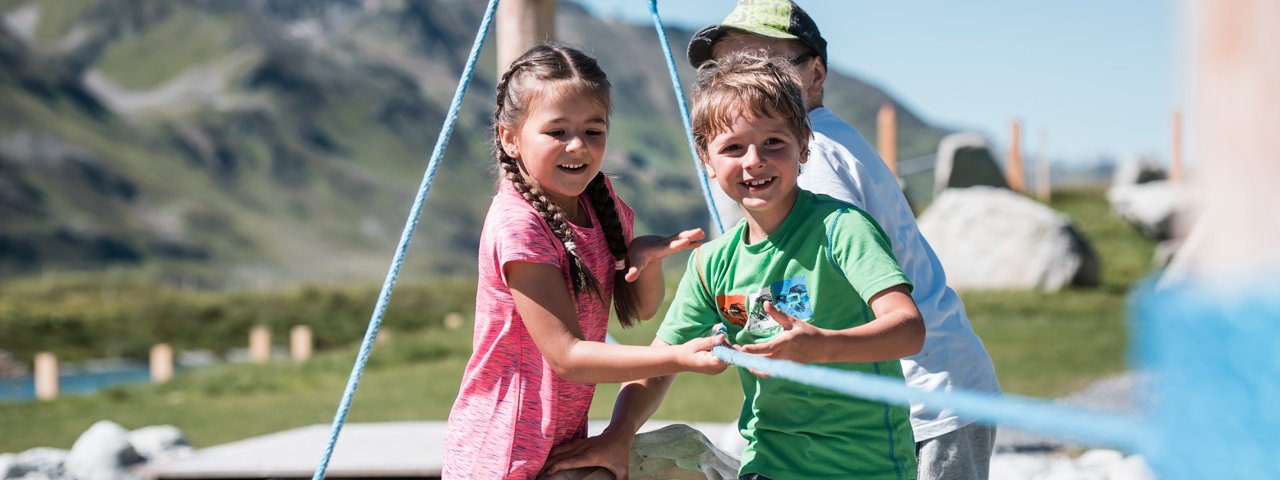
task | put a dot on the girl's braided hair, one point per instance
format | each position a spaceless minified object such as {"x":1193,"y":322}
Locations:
{"x":556,"y":70}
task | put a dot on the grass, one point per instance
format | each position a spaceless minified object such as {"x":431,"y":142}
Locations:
{"x":1043,"y":344}
{"x":187,"y":39}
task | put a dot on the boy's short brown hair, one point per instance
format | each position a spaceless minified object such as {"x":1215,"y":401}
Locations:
{"x":751,"y":84}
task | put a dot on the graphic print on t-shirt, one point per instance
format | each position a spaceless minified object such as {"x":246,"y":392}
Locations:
{"x":733,"y":308}
{"x":791,"y":296}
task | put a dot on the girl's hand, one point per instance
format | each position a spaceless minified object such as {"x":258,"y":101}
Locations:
{"x":697,"y":357}
{"x":610,"y":449}
{"x":650,"y":248}
{"x":799,"y":342}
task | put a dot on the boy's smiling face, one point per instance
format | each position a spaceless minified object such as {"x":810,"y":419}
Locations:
{"x":756,"y":162}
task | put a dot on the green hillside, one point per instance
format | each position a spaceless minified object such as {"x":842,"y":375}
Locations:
{"x":245,"y":144}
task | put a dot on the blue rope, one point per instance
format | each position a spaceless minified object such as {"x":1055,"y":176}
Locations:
{"x":684,"y":116}
{"x":1124,"y":432}
{"x":406,"y":236}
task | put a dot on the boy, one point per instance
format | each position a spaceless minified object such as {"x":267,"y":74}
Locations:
{"x":843,"y":165}
{"x":804,"y":277}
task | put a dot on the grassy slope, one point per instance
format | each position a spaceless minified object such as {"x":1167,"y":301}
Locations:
{"x":1044,"y":344}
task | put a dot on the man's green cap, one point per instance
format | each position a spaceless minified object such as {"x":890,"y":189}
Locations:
{"x":768,"y":18}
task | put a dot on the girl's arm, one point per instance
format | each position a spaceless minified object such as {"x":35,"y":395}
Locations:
{"x":896,"y":332}
{"x":611,"y":449}
{"x":645,"y":271}
{"x":547,"y":308}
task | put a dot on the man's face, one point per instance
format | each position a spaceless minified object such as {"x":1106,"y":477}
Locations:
{"x":791,"y":50}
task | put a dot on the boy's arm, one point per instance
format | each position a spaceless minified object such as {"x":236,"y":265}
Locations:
{"x":635,"y":403}
{"x":896,"y":332}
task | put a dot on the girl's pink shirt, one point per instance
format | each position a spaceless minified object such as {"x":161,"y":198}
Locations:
{"x":512,"y":408}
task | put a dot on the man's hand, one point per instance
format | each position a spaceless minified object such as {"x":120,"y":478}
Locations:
{"x":650,"y":248}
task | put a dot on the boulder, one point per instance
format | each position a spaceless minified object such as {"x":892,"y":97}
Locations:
{"x":674,"y":452}
{"x":8,"y":466}
{"x":965,"y":160}
{"x":102,"y":453}
{"x":159,"y":442}
{"x":993,"y":238}
{"x":1137,"y":170}
{"x":39,"y":462}
{"x":1151,"y":207}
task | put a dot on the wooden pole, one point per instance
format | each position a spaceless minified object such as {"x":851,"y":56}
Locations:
{"x":521,"y":24}
{"x":161,"y":363}
{"x":1175,"y":163}
{"x":1236,"y":87}
{"x":300,"y":343}
{"x":887,"y":133}
{"x":1015,"y":176}
{"x":46,"y":366}
{"x":260,"y":344}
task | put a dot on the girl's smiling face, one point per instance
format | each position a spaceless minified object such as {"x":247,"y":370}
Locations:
{"x":560,"y":144}
{"x":756,"y":161}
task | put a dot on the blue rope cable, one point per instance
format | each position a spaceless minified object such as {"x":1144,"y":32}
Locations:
{"x":684,"y":116}
{"x":1121,"y":431}
{"x":406,"y":236}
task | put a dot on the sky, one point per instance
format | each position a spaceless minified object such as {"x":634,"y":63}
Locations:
{"x":1087,"y":79}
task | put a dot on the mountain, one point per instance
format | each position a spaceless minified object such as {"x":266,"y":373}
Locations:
{"x":250,"y":142}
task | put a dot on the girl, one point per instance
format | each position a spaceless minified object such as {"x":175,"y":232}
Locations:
{"x":555,"y":250}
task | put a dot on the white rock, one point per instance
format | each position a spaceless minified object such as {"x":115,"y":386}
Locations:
{"x":993,"y":238}
{"x":1150,"y":207}
{"x":40,"y":462}
{"x":1099,"y":459}
{"x":1133,"y":467}
{"x":102,"y":453}
{"x":8,"y":466}
{"x":673,"y":452}
{"x":160,"y":442}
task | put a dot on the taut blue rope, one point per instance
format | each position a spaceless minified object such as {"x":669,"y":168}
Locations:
{"x":406,"y":236}
{"x":1124,"y":432}
{"x":684,"y":116}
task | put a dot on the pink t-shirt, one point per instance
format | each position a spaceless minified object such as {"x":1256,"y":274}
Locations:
{"x":512,"y":408}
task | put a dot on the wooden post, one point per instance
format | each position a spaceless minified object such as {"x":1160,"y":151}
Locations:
{"x":1015,"y":177}
{"x":521,"y":24}
{"x":887,"y":135}
{"x":1237,"y":84}
{"x":300,"y":343}
{"x":260,"y":344}
{"x":161,"y":363}
{"x":46,"y":367}
{"x":1175,"y":162}
{"x":452,"y":320}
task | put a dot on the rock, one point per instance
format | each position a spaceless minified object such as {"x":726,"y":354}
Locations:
{"x":679,"y":452}
{"x":102,"y":453}
{"x":674,"y":452}
{"x":965,"y":160}
{"x":40,"y":463}
{"x":160,"y":442}
{"x":1137,"y":170}
{"x":8,"y":466}
{"x":1150,"y":207}
{"x":993,"y":238}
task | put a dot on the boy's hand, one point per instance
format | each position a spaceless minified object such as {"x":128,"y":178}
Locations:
{"x":648,"y":248}
{"x":799,"y":342}
{"x":610,"y":449}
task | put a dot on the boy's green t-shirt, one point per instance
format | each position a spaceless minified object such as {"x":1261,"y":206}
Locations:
{"x":822,"y":265}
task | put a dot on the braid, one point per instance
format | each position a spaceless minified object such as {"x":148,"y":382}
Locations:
{"x":624,"y":297}
{"x":555,"y":218}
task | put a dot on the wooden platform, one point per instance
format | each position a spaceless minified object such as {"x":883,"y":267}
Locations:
{"x":398,"y":450}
